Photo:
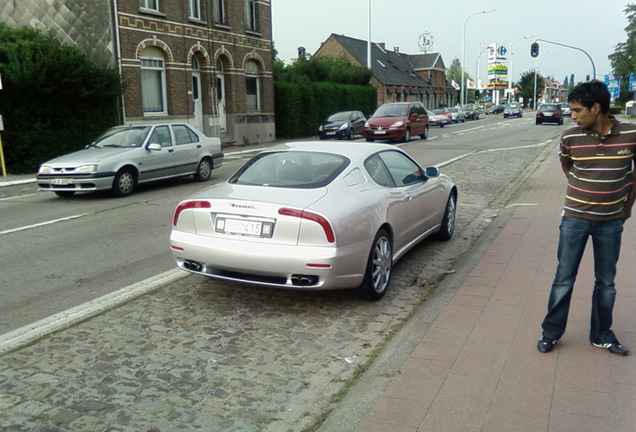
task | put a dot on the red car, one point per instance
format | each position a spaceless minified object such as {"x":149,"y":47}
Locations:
{"x":397,"y":121}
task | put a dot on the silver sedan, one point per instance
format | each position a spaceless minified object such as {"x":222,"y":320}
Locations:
{"x":125,"y":156}
{"x":314,"y":215}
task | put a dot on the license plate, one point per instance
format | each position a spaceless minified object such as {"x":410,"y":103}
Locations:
{"x":380,"y":132}
{"x":60,"y":181}
{"x":330,"y":133}
{"x":244,"y":227}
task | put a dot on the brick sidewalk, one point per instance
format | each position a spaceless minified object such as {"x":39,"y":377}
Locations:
{"x":477,"y":367}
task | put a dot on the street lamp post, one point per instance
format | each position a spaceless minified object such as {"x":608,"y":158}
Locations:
{"x":463,"y":84}
{"x":536,"y":66}
{"x":511,"y":54}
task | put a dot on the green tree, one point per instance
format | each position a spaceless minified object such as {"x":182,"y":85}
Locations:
{"x":623,"y":59}
{"x":454,"y":72}
{"x":54,"y":98}
{"x":526,"y":87}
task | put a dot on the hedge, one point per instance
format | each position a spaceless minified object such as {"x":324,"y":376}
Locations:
{"x":302,"y":107}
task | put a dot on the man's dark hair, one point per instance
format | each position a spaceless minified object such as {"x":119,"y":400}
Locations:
{"x":590,"y":92}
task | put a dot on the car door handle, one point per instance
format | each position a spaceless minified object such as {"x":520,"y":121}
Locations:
{"x":199,"y":146}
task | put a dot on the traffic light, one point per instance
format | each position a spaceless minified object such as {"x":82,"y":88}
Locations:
{"x":534,"y":49}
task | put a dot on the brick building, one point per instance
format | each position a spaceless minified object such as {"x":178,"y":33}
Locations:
{"x":205,"y":62}
{"x":397,"y":76}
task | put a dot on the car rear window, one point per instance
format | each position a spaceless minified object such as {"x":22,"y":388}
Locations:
{"x":549,"y":107}
{"x":296,"y":169}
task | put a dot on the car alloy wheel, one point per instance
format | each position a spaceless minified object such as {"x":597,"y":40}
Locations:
{"x":379,"y":268}
{"x":407,"y":135}
{"x":447,"y":227}
{"x":425,"y":134}
{"x":204,"y":170}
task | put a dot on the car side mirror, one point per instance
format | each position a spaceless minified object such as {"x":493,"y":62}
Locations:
{"x":154,"y":147}
{"x":432,"y":172}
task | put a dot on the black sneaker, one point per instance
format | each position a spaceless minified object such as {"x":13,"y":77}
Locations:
{"x":546,"y":345}
{"x":614,"y":348}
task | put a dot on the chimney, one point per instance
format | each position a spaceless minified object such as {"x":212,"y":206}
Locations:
{"x":396,"y":50}
{"x":382,"y":46}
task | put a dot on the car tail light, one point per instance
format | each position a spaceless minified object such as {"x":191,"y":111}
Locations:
{"x":188,"y":205}
{"x":324,"y":223}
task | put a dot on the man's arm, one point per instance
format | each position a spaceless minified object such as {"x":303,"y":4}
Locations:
{"x":566,"y":164}
{"x":629,"y":203}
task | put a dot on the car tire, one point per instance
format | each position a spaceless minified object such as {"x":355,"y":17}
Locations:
{"x":379,"y":268}
{"x":441,"y":125}
{"x":124,"y":183}
{"x":370,"y":139}
{"x":560,"y":121}
{"x":350,"y":134}
{"x":425,"y":134}
{"x":537,"y":122}
{"x":204,"y":170}
{"x":65,"y":194}
{"x":447,"y":227}
{"x":407,"y":135}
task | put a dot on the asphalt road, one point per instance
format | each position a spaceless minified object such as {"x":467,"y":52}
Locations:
{"x":59,"y":253}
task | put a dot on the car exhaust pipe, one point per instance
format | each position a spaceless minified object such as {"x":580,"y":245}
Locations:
{"x":192,"y":266}
{"x":304,"y":280}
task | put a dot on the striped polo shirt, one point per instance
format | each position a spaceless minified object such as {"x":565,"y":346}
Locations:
{"x":601,"y":175}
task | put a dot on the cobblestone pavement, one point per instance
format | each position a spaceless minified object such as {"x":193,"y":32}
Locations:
{"x":213,"y":356}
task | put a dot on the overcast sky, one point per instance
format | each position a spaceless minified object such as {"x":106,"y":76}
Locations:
{"x":595,"y":26}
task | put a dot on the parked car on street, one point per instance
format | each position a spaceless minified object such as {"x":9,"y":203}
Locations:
{"x":513,"y":109}
{"x":314,"y":216}
{"x":397,"y":121}
{"x":495,"y":109}
{"x":125,"y":156}
{"x":342,"y":124}
{"x":457,"y":115}
{"x":549,"y":113}
{"x":471,"y":112}
{"x":440,"y":120}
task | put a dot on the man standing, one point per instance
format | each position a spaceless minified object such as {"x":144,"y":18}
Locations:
{"x":597,"y":158}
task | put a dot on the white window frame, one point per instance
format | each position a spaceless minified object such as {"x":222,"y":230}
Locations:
{"x":219,"y":12}
{"x":251,"y":15}
{"x":194,"y":9}
{"x":252,"y":75}
{"x":153,"y":73}
{"x":149,"y":4}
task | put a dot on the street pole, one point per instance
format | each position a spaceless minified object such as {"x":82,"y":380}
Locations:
{"x":463,"y":84}
{"x":369,"y":41}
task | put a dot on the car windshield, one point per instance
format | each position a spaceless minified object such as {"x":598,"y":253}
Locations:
{"x":513,"y":105}
{"x":123,"y":137}
{"x":549,"y":107}
{"x":391,"y":110}
{"x":440,"y":110}
{"x":340,"y":116}
{"x":454,"y":110}
{"x":298,"y":169}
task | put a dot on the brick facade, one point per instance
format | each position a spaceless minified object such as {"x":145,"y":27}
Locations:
{"x":164,"y":35}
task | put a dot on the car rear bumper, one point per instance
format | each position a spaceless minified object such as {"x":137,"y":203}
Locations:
{"x":271,"y":265}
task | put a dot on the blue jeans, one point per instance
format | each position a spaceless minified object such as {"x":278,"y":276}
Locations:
{"x":606,"y":240}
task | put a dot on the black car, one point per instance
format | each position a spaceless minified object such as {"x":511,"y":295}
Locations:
{"x":471,"y":112}
{"x":342,"y":125}
{"x":495,"y":109}
{"x":513,"y":109}
{"x":549,"y":113}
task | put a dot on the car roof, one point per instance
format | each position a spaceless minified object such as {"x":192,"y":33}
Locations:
{"x":351,"y":150}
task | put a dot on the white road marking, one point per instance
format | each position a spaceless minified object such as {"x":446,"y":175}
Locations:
{"x":32,"y":332}
{"x":9,"y":231}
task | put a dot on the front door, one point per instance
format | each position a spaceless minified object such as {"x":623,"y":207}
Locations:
{"x":220,"y":91}
{"x":196,"y":94}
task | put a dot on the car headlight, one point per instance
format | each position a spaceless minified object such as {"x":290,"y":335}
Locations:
{"x":344,"y":126}
{"x":366,"y":124}
{"x":45,"y":169}
{"x":398,"y":124}
{"x":320,"y":128}
{"x":84,"y":169}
